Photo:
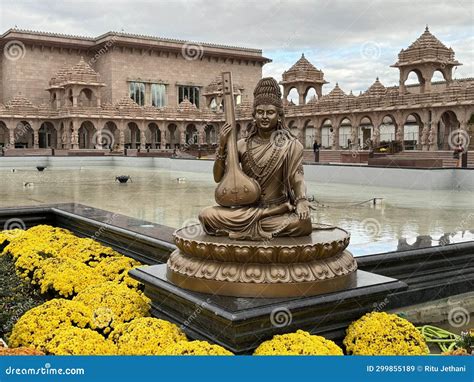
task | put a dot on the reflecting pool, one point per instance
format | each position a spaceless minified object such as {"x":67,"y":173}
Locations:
{"x":399,"y":219}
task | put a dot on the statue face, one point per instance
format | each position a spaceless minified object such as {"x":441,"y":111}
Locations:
{"x":266,"y":117}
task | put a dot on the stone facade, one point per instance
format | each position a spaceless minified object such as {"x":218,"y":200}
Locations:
{"x":70,"y":93}
{"x":88,"y":81}
{"x":438,"y":114}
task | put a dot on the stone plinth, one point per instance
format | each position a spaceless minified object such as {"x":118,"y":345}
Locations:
{"x":281,"y":267}
{"x":240,"y":323}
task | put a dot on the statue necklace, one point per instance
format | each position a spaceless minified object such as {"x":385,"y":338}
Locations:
{"x":261,"y":171}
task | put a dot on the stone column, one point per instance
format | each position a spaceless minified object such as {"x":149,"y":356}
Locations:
{"x":335,"y":136}
{"x":201,"y":134}
{"x":376,"y":136}
{"x":433,"y":136}
{"x":75,"y":136}
{"x":354,"y":143}
{"x":285,"y":95}
{"x":97,"y":97}
{"x":98,"y":140}
{"x":162,"y":138}
{"x":400,"y":132}
{"x":121,"y":127}
{"x":35,"y":139}
{"x":58,"y":100}
{"x":142,"y":139}
{"x":11,"y":140}
{"x":75,"y":96}
{"x":425,"y":129}
{"x":182,"y":134}
{"x":301,"y":100}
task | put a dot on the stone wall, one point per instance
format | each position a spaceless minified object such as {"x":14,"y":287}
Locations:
{"x":122,"y":64}
{"x":31,"y":74}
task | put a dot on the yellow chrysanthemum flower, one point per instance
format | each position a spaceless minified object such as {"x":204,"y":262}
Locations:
{"x":299,"y":343}
{"x":112,"y":304}
{"x":195,"y":348}
{"x":146,"y":336}
{"x":380,"y":333}
{"x":34,"y":328}
{"x":77,"y":341}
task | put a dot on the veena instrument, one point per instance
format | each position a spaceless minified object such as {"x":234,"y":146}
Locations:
{"x":236,"y":188}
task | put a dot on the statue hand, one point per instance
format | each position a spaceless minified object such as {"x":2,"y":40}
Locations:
{"x":302,"y":209}
{"x":224,"y":134}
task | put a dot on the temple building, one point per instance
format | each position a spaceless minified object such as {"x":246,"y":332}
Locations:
{"x":65,"y":95}
{"x":127,"y":91}
{"x":421,"y":118}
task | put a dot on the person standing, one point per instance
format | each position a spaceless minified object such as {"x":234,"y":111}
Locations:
{"x":316,"y":147}
{"x":457,"y":154}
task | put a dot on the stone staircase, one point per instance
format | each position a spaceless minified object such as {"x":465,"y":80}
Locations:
{"x":446,"y":156}
{"x":334,"y":156}
{"x":325,"y":156}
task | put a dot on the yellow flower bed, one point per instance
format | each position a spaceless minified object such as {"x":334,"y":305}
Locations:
{"x":65,"y":277}
{"x":86,"y":251}
{"x":107,"y":302}
{"x":34,"y":328}
{"x":146,"y":336}
{"x":63,"y":264}
{"x":112,"y":304}
{"x":379,"y":333}
{"x":195,"y":348}
{"x":77,"y":341}
{"x":116,"y":269}
{"x":299,"y":343}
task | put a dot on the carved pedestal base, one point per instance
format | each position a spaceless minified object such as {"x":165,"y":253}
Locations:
{"x":283,"y":267}
{"x":261,"y":280}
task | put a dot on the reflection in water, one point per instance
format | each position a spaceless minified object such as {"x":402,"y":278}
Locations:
{"x":401,"y":219}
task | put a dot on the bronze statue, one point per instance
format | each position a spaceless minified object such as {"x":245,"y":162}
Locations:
{"x":273,"y":158}
{"x":261,"y":196}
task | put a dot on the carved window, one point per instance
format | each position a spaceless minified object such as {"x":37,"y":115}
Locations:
{"x":189,"y":92}
{"x":137,"y":92}
{"x":158,"y":95}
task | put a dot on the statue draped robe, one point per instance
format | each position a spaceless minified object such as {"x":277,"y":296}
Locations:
{"x":281,"y":164}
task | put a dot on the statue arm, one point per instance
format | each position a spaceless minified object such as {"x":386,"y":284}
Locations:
{"x":298,"y":184}
{"x":219,"y":164}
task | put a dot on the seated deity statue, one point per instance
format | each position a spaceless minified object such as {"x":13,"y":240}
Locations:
{"x":273,"y":157}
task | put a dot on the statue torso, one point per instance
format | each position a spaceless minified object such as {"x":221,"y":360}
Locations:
{"x":263,"y":161}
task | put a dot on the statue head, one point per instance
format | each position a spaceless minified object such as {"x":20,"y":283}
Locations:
{"x":267,"y":106}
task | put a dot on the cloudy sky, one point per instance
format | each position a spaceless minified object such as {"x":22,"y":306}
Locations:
{"x":351,"y":41}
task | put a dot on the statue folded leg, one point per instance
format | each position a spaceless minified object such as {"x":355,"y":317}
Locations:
{"x":253,"y":223}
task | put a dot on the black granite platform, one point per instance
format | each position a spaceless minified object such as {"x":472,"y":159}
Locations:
{"x":241,"y":324}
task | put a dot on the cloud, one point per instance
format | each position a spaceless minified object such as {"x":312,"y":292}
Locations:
{"x":331,"y":33}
